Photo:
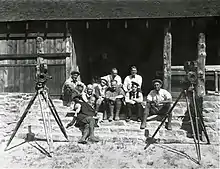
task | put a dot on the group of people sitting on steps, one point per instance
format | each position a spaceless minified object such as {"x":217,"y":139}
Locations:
{"x":108,"y":96}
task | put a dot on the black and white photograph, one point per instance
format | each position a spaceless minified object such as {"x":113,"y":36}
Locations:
{"x":109,"y":84}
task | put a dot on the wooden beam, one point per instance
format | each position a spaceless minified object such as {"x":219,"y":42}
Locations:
{"x":34,"y":56}
{"x":200,"y":88}
{"x":167,"y":60}
{"x":30,"y":35}
{"x":29,"y":65}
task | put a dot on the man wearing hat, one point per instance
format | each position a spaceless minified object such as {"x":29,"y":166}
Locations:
{"x":133,"y":100}
{"x":100,"y":90}
{"x":69,"y":86}
{"x":158,"y":103}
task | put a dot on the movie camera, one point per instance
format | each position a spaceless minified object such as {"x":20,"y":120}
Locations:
{"x":190,"y":68}
{"x":41,"y":74}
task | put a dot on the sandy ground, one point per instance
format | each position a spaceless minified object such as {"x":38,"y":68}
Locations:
{"x":108,"y":155}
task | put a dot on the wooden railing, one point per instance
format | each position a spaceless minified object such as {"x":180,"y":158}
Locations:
{"x":212,"y":73}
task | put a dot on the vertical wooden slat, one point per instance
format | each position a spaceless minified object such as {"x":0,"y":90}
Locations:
{"x":68,"y":59}
{"x":216,"y":82}
{"x":167,"y":60}
{"x":201,"y":65}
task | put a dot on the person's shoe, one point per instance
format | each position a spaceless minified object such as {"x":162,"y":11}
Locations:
{"x":169,"y":128}
{"x":143,"y":125}
{"x":93,"y":139}
{"x":82,"y":141}
{"x":138,"y":120}
{"x":110,"y":118}
{"x":128,"y":119}
{"x":117,"y":118}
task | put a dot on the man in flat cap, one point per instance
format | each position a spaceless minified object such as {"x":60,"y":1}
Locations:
{"x":133,"y":100}
{"x":158,"y":103}
{"x":69,"y":86}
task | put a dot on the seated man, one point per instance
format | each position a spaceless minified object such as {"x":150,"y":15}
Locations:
{"x":133,"y":100}
{"x":86,"y":121}
{"x":114,"y":96}
{"x":89,"y":91}
{"x":69,"y":86}
{"x":158,"y":103}
{"x":100,"y":90}
{"x":113,"y":76}
{"x":133,"y":77}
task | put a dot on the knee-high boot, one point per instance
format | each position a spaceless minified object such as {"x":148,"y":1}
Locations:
{"x":145,"y":115}
{"x":118,"y":104}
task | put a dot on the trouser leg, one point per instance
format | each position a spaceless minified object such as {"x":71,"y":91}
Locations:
{"x":98,"y":104}
{"x":91,"y":122}
{"x":111,"y":111}
{"x":138,"y":109}
{"x":164,"y":111}
{"x":145,"y":115}
{"x":129,"y":111}
{"x":118,"y":104}
{"x":85,"y":134}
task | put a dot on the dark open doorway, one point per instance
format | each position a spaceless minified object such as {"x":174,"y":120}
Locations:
{"x":121,"y":47}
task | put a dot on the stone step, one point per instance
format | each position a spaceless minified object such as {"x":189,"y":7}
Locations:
{"x":120,"y":138}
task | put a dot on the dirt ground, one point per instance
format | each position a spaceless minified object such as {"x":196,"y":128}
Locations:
{"x":108,"y":155}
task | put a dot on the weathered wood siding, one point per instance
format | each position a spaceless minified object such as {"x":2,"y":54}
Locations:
{"x":15,"y":78}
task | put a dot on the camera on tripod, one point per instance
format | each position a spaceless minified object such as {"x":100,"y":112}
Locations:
{"x":190,"y":68}
{"x":41,"y":74}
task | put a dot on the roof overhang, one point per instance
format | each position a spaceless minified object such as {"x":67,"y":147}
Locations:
{"x":26,"y":10}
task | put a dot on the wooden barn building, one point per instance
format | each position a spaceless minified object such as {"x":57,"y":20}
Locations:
{"x":94,"y":36}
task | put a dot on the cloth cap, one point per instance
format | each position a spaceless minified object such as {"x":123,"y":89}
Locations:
{"x":157,"y":80}
{"x":75,"y":72}
{"x":89,"y":86}
{"x":104,"y":80}
{"x":134,"y":83}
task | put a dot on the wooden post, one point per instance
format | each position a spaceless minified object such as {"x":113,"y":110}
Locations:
{"x":167,"y":60}
{"x":200,"y":88}
{"x":71,"y":62}
{"x":40,"y":50}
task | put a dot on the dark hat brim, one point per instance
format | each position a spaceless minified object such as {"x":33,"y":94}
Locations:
{"x":157,"y":80}
{"x":135,"y":83}
{"x":75,"y":72}
{"x":106,"y":82}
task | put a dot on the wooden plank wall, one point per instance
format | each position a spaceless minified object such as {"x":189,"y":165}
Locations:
{"x":21,"y":79}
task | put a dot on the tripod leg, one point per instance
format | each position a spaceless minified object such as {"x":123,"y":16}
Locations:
{"x":21,"y":119}
{"x":201,"y":121}
{"x":55,"y":111}
{"x":197,"y":125}
{"x":55,"y":114}
{"x":204,"y":129}
{"x":192,"y":124}
{"x":44,"y":122}
{"x":49,"y":127}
